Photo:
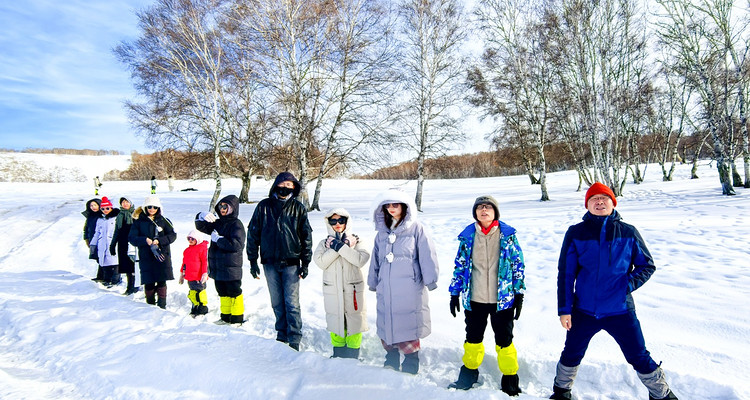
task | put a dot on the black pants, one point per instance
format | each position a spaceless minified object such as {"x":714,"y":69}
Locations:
{"x":501,"y":321}
{"x":228,"y":288}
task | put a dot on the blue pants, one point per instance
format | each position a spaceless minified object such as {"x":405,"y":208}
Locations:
{"x":624,"y":328}
{"x":283,"y":286}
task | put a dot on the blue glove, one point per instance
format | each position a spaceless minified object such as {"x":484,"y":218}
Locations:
{"x":215,"y":236}
{"x":157,"y":253}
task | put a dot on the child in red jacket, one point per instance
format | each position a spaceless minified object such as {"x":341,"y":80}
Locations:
{"x":195,"y":270}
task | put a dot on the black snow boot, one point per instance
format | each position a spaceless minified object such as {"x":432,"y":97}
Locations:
{"x":161,"y":293}
{"x":351,"y":353}
{"x":150,"y":296}
{"x":670,"y":396}
{"x":559,"y":393}
{"x":201,"y":310}
{"x":392,"y":359}
{"x":509,"y":385}
{"x":466,"y":379}
{"x":411,"y":363}
{"x":339,"y":352}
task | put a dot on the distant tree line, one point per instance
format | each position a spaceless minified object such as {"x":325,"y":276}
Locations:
{"x":317,"y":86}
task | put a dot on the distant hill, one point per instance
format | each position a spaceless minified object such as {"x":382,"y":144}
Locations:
{"x":45,"y":167}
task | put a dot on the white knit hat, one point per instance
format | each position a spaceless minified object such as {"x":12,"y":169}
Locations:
{"x":152,"y":201}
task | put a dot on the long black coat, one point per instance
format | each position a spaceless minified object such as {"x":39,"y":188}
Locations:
{"x":225,"y":255}
{"x":152,"y":270}
{"x":89,"y":227}
{"x":120,"y":239}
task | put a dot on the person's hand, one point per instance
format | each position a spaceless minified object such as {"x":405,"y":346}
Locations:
{"x":155,"y":241}
{"x":337,"y":244}
{"x":182,"y":278}
{"x":113,"y":248}
{"x":209,"y":217}
{"x":517,"y":304}
{"x":254,"y":270}
{"x":204,"y":277}
{"x":149,"y":241}
{"x":352,"y":240}
{"x":329,"y":239}
{"x":566,"y":322}
{"x":455,"y":305}
{"x":302,"y":271}
{"x":215,"y":236}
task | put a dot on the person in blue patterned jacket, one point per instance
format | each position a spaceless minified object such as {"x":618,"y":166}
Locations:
{"x":602,"y":261}
{"x":489,"y":277}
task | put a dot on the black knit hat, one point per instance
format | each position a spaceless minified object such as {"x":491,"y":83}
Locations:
{"x":485,"y":200}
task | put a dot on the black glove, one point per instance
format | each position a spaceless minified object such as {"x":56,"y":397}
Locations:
{"x":336,"y":244}
{"x":113,"y":248}
{"x":254,"y":270}
{"x":157,"y":252}
{"x":517,"y":304}
{"x":455,"y":305}
{"x":93,"y":252}
{"x":302,"y":271}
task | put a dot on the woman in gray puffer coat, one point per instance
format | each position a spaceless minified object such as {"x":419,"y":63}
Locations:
{"x":403,"y":266}
{"x":341,"y":256}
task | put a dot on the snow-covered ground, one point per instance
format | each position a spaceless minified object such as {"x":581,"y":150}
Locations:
{"x":64,"y":337}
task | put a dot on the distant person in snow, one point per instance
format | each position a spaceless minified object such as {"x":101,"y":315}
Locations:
{"x":100,"y":243}
{"x":170,"y":183}
{"x":402,"y":268}
{"x":152,"y":233}
{"x":280,"y":229}
{"x":153,"y":184}
{"x":92,"y":213}
{"x":194,"y":269}
{"x":97,"y":185}
{"x":341,"y":256}
{"x":602,"y":261}
{"x":489,"y":277}
{"x":120,"y":242}
{"x":225,"y":256}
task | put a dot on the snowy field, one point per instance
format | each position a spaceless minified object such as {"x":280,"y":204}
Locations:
{"x":64,"y":337}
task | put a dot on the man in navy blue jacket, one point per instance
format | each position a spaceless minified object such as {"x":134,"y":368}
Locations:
{"x":602,"y":261}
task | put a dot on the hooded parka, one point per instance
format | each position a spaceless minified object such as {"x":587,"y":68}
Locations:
{"x":89,"y":227}
{"x":152,"y":270}
{"x":105,"y":230}
{"x":120,"y":238}
{"x":403,"y":311}
{"x":343,"y":283}
{"x":225,"y":254}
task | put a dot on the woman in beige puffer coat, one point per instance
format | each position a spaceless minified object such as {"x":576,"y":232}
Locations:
{"x":341,"y":256}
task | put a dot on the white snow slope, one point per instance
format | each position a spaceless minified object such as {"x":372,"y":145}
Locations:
{"x":64,"y":337}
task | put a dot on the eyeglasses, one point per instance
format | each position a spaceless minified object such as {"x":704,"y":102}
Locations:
{"x":484,"y":207}
{"x":340,"y":220}
{"x":391,"y":205}
{"x":600,"y":198}
{"x":223,"y":206}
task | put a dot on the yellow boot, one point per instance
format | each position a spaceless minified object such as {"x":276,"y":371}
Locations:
{"x":237,"y":310}
{"x":507,"y":361}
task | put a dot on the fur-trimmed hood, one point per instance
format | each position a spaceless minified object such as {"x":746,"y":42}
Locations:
{"x":393,"y":196}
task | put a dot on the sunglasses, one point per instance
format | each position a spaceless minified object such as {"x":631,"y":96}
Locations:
{"x":484,"y":207}
{"x":190,"y":238}
{"x":340,"y":220}
{"x":106,"y":208}
{"x":391,"y":205}
{"x":152,"y":207}
{"x":223,"y":206}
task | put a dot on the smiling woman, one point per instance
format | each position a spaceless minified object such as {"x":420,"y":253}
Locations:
{"x":60,"y":85}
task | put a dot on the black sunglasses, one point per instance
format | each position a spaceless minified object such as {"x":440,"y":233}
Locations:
{"x":223,"y":206}
{"x":152,"y":207}
{"x":340,"y":220}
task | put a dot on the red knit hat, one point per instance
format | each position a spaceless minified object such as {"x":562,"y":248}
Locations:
{"x":106,"y":202}
{"x":598,"y":188}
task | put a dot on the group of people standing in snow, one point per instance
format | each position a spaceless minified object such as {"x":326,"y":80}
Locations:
{"x":602,"y":261}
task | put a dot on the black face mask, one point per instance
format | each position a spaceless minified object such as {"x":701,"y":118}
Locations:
{"x":283,"y":191}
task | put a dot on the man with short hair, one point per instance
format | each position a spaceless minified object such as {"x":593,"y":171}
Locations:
{"x":280,"y":229}
{"x":602,"y":261}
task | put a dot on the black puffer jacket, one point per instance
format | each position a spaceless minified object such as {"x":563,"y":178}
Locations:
{"x":144,"y":227}
{"x":225,"y":254}
{"x":89,"y":227}
{"x":281,"y":229}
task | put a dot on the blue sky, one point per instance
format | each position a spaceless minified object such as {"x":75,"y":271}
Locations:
{"x":60,"y":84}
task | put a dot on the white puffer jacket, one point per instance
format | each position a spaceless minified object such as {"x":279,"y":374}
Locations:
{"x":343,"y":283}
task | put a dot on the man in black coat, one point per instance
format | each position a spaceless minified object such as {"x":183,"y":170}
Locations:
{"x":225,"y":255}
{"x":280,"y":228}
